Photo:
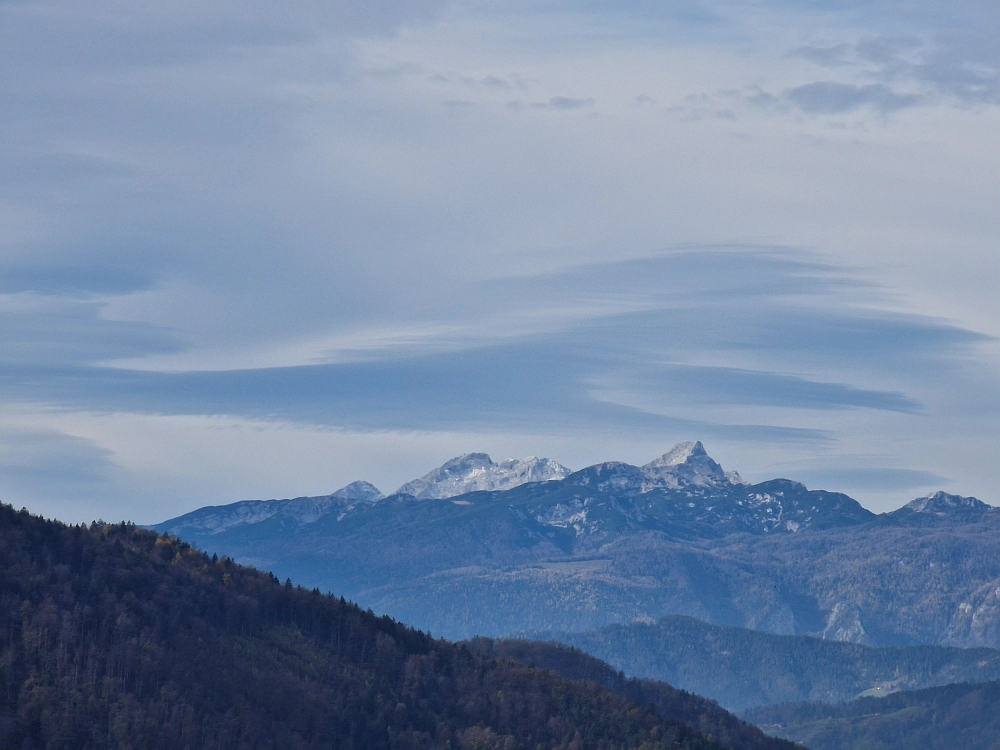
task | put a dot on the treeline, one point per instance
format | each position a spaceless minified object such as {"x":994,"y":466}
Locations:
{"x":115,"y":637}
{"x":943,"y":718}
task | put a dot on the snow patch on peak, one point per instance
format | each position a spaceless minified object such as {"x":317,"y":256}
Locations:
{"x":474,"y":472}
{"x":735,"y":479}
{"x":942,"y":502}
{"x":681,"y":453}
{"x":684,"y":465}
{"x":220,"y":518}
{"x":363,"y":491}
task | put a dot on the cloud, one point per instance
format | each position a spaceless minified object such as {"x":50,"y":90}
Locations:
{"x":74,"y":280}
{"x":566,"y":102}
{"x":834,"y":56}
{"x":869,"y":480}
{"x":958,"y":64}
{"x":717,"y":385}
{"x":829,"y":97}
{"x":609,"y":367}
{"x":56,"y":332}
{"x":60,"y":462}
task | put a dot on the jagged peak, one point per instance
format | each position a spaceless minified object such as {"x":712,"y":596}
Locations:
{"x":681,"y":453}
{"x":360,"y":490}
{"x":735,"y":478}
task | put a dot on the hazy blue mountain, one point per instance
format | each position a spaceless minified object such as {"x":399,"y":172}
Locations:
{"x":960,"y":716}
{"x":745,"y":668}
{"x":302,"y":510}
{"x":615,"y":543}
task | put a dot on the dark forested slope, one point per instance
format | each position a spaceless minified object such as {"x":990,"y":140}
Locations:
{"x":701,"y":713}
{"x":114,"y":637}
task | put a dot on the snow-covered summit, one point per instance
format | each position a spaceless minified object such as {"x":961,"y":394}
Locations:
{"x":688,"y":464}
{"x":685,"y":466}
{"x":942,"y":502}
{"x":474,"y":472}
{"x":691,"y":451}
{"x":363,"y":491}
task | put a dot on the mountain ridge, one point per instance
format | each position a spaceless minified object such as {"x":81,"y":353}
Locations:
{"x":603,"y":546}
{"x":744,"y":669}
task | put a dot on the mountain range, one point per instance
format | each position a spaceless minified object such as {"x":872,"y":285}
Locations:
{"x":487,"y":548}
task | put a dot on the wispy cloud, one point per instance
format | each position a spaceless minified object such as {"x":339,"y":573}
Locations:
{"x":777,"y":309}
{"x":869,"y":479}
{"x":30,"y":457}
{"x":829,"y":97}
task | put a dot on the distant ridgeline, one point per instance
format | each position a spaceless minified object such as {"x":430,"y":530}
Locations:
{"x":953,"y":717}
{"x":744,"y":669}
{"x":114,"y":637}
{"x":484,"y":548}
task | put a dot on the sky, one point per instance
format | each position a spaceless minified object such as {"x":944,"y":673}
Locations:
{"x":254,"y":250}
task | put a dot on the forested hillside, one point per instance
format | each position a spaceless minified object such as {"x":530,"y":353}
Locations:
{"x":115,"y":637}
{"x":701,"y":713}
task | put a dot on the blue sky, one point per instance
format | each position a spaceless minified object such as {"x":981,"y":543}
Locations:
{"x":253,"y":251}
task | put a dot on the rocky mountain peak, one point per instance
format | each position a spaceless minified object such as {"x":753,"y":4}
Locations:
{"x":361,"y":491}
{"x":682,"y":453}
{"x":686,"y":464}
{"x":942,"y":502}
{"x":465,"y":464}
{"x":473,"y":472}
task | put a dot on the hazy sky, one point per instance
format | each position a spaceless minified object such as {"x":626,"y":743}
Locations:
{"x":254,"y":249}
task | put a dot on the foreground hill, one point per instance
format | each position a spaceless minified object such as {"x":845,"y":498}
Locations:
{"x":942,"y":718}
{"x":693,"y":710}
{"x":615,"y":543}
{"x":745,"y":668}
{"x":116,"y":637}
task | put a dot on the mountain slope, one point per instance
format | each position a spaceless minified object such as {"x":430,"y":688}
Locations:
{"x":744,"y":668}
{"x":942,"y":718}
{"x":116,"y":637}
